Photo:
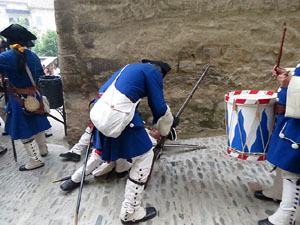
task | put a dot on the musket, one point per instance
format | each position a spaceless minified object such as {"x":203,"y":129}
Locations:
{"x":281,"y":46}
{"x":159,"y":146}
{"x":171,"y":145}
{"x":14,"y":150}
{"x":83,"y":177}
{"x":62,"y":179}
{"x":187,"y":150}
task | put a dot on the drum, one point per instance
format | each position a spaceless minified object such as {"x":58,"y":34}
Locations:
{"x":249,"y":123}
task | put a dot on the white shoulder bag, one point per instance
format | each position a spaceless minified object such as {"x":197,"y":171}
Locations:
{"x":113,"y":111}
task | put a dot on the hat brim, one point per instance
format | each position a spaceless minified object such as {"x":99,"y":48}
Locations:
{"x":17,"y":32}
{"x":165,"y":68}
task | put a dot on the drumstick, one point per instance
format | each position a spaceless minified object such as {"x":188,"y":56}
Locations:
{"x":281,"y":46}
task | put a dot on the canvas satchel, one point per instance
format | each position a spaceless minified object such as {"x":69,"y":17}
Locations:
{"x":31,"y":104}
{"x":113,"y":111}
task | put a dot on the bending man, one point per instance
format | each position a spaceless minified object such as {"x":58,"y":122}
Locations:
{"x":135,"y":82}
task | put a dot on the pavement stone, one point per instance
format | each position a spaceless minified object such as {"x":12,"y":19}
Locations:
{"x":201,"y":187}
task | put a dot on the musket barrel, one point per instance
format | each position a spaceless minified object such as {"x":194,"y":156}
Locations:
{"x":83,"y":177}
{"x":192,"y":92}
{"x":62,"y":179}
{"x":159,"y":146}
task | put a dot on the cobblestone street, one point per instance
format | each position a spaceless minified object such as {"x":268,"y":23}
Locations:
{"x":202,"y":187}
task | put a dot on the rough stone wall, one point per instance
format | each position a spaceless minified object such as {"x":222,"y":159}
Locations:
{"x":239,"y":38}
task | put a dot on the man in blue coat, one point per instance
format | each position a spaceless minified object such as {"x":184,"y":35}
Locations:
{"x":136,"y":81}
{"x":284,"y":151}
{"x":28,"y":127}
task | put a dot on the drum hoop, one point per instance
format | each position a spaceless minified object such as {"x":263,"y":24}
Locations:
{"x":245,"y":153}
{"x":243,"y":101}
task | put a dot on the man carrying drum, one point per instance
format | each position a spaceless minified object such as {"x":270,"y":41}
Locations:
{"x":283,"y":150}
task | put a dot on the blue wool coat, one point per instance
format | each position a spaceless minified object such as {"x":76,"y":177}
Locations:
{"x":18,"y":124}
{"x":280,"y":151}
{"x":136,"y":81}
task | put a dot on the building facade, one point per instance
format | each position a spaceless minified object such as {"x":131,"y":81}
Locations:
{"x":38,"y":14}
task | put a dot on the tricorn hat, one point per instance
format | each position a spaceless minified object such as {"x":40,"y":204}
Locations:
{"x":16,"y":32}
{"x":165,"y":68}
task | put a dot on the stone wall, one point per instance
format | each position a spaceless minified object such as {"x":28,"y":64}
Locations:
{"x":239,"y":38}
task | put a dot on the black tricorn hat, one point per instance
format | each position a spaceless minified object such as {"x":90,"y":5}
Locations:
{"x":16,"y":32}
{"x":165,"y":68}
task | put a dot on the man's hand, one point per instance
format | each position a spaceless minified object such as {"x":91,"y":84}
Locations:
{"x":277,"y":70}
{"x":155,"y":134}
{"x":284,"y":79}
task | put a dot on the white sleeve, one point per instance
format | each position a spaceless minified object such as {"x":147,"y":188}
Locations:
{"x":165,"y":122}
{"x":293,"y":98}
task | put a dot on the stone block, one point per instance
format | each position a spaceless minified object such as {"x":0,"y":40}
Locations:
{"x":239,"y":39}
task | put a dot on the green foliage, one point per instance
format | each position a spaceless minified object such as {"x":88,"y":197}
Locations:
{"x":47,"y":45}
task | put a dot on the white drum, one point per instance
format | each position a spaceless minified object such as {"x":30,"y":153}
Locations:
{"x":249,"y":123}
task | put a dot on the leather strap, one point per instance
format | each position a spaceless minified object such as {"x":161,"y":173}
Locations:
{"x":25,"y":91}
{"x":136,"y":182}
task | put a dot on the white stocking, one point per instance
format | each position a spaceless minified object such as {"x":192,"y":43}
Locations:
{"x":131,"y":207}
{"x":41,"y":142}
{"x":285,"y":214}
{"x":33,"y":153}
{"x":83,"y":142}
{"x":93,"y":162}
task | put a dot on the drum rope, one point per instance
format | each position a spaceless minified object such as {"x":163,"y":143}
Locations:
{"x":239,"y":125}
{"x":260,"y":128}
{"x":230,"y":125}
{"x":226,"y":121}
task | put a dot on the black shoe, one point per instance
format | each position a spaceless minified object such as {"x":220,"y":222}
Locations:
{"x":44,"y":155}
{"x":261,"y":196}
{"x":23,"y":168}
{"x":122,"y":174}
{"x":150,"y":213}
{"x":3,"y":152}
{"x":69,"y":185}
{"x":48,"y":135}
{"x":265,"y":222}
{"x":5,"y":134}
{"x":70,"y":156}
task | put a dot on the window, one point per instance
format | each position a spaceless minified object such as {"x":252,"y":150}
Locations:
{"x":39,"y":20}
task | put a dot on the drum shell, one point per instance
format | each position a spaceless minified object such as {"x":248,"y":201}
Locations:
{"x":249,"y":123}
